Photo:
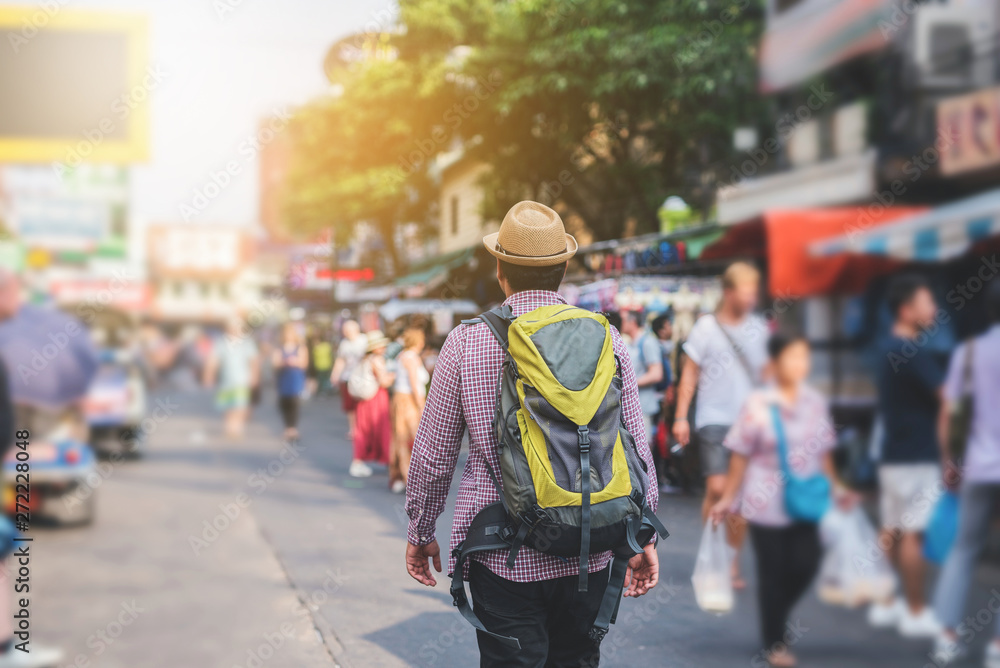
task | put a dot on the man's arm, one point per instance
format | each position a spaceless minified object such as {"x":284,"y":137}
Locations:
{"x":685,"y":395}
{"x":435,"y":454}
{"x":654,"y":362}
{"x":338,"y":369}
{"x":211,"y":367}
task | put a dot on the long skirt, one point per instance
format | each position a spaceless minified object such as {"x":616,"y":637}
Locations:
{"x":405,"y":420}
{"x":373,"y":429}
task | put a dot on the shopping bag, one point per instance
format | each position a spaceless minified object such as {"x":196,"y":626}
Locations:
{"x":941,"y":530}
{"x":713,"y":586}
{"x":854,"y":571}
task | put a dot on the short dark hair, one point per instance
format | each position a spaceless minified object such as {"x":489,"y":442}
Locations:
{"x":902,"y":289}
{"x":523,"y":278}
{"x":779,"y":343}
{"x":614,"y":319}
{"x":659,"y":321}
{"x":993,"y":302}
{"x":635,"y":315}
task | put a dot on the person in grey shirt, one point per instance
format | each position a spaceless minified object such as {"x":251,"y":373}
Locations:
{"x":647,"y":361}
{"x":726,"y":353}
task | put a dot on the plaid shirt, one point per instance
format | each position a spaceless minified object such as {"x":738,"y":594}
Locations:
{"x":463,"y":393}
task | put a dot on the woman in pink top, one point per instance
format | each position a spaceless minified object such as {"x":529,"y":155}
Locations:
{"x":788,"y":551}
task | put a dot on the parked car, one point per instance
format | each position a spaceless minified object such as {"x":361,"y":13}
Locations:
{"x":59,"y":484}
{"x":115,"y":406}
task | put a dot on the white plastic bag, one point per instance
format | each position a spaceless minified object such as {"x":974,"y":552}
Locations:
{"x":855,"y":571}
{"x":713,"y":585}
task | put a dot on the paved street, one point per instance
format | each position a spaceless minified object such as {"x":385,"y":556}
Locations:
{"x":303,"y":567}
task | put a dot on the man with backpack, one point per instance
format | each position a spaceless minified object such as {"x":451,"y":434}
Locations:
{"x":547,"y":392}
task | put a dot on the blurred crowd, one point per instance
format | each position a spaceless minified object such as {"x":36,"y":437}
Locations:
{"x":729,"y":413}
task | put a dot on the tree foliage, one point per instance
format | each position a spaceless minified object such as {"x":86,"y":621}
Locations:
{"x":600,"y":107}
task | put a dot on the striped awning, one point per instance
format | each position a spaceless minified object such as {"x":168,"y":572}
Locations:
{"x":939,"y":234}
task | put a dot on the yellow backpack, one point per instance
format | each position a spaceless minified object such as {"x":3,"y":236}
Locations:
{"x":558,"y":415}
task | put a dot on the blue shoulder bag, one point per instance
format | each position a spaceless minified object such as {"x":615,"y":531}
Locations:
{"x":806,"y":499}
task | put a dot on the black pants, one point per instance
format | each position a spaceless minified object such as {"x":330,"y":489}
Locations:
{"x":550,"y":618}
{"x":289,"y":407}
{"x":787,"y":561}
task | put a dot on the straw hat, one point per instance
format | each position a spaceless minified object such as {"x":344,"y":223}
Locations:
{"x":531,"y":235}
{"x":376,"y":339}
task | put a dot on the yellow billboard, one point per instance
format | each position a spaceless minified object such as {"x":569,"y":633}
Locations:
{"x":75,"y":86}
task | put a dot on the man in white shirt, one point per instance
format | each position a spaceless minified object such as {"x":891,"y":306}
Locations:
{"x":726,"y":352}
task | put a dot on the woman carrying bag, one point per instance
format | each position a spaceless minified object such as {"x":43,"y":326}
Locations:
{"x":781,"y":470}
{"x":368,"y":385}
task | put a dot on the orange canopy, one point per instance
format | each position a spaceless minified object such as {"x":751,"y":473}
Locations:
{"x":783,"y":238}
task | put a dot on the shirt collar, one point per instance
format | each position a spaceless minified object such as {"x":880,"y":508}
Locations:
{"x":528,"y":300}
{"x":773,"y":396}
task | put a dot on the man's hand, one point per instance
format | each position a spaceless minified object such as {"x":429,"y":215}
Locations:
{"x":951,"y":475}
{"x":643,"y":572}
{"x":845,"y":499}
{"x":720,"y":511}
{"x":682,"y":431}
{"x":417,"y":562}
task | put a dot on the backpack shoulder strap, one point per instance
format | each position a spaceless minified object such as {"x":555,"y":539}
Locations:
{"x":780,"y":442}
{"x":739,"y":352}
{"x":498,"y":320}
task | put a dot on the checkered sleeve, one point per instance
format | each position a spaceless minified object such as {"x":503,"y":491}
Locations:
{"x":632,"y":414}
{"x":437,"y":443}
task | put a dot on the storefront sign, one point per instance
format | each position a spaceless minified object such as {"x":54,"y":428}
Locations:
{"x":972,"y":123}
{"x":112,"y":293}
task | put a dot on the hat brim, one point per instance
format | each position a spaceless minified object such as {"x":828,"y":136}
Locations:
{"x":376,"y":344}
{"x":490,"y":242}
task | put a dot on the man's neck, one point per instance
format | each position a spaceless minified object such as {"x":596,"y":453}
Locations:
{"x":730,"y":315}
